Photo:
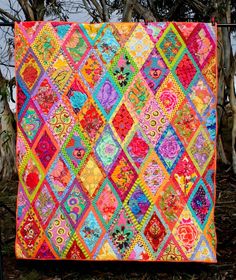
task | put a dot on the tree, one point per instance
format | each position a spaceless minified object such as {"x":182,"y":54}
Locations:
{"x":224,"y":11}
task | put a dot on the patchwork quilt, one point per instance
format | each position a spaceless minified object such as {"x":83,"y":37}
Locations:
{"x":116,"y":139}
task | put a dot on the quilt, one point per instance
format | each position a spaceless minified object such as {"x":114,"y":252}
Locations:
{"x":116,"y":141}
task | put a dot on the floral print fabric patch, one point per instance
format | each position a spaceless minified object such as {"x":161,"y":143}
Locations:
{"x":116,"y":141}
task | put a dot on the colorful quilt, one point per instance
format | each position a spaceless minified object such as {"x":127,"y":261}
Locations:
{"x":116,"y":138}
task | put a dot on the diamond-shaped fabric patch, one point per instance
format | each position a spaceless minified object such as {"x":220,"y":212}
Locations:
{"x":169,"y":96}
{"x":76,"y":46}
{"x":45,"y":203}
{"x":91,"y":121}
{"x":107,"y":203}
{"x":155,"y":232}
{"x":31,"y":175}
{"x":170,"y":45}
{"x":169,"y":149}
{"x":123,"y":70}
{"x":185,"y":122}
{"x":137,"y":94}
{"x":91,"y":176}
{"x":200,"y":203}
{"x":171,"y":203}
{"x":30,"y":232}
{"x":138,"y":203}
{"x":76,"y":96}
{"x":60,"y":72}
{"x":122,"y":232}
{"x":59,"y":177}
{"x":200,"y":150}
{"x":91,"y":231}
{"x":107,"y":45}
{"x":31,"y":123}
{"x":154,"y":70}
{"x":107,"y":96}
{"x":185,"y":174}
{"x":30,"y":71}
{"x":45,"y":46}
{"x":185,"y":71}
{"x":92,"y":70}
{"x":139,"y":45}
{"x":138,"y":148}
{"x":76,"y":149}
{"x":122,"y":175}
{"x":154,"y":173}
{"x":59,"y":231}
{"x":45,"y":96}
{"x":153,"y":121}
{"x":200,"y":45}
{"x":61,"y":123}
{"x":75,"y":204}
{"x":200,"y":96}
{"x":187,"y":232}
{"x":45,"y":149}
{"x":122,"y":122}
{"x":107,"y":148}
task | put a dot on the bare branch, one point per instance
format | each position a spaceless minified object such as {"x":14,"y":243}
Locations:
{"x":7,"y":65}
{"x":9,"y":16}
{"x":27,"y":9}
{"x":128,"y":10}
{"x":172,"y":11}
{"x":105,"y":11}
{"x":145,"y":13}
{"x":197,"y":5}
{"x":98,"y":8}
{"x":86,"y":7}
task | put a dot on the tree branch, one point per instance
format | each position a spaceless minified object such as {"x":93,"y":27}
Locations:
{"x":197,"y":5}
{"x":173,"y":9}
{"x":98,"y":8}
{"x":105,"y":11}
{"x":7,"y":65}
{"x":6,"y":14}
{"x":27,"y":9}
{"x":86,"y":7}
{"x":145,"y":13}
{"x":128,"y":10}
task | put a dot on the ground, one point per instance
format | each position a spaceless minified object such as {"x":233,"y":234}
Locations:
{"x":225,"y":217}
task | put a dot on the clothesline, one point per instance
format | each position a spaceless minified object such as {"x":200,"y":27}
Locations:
{"x":2,"y":24}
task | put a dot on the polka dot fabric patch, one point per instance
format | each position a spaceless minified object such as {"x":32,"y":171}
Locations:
{"x":116,"y":148}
